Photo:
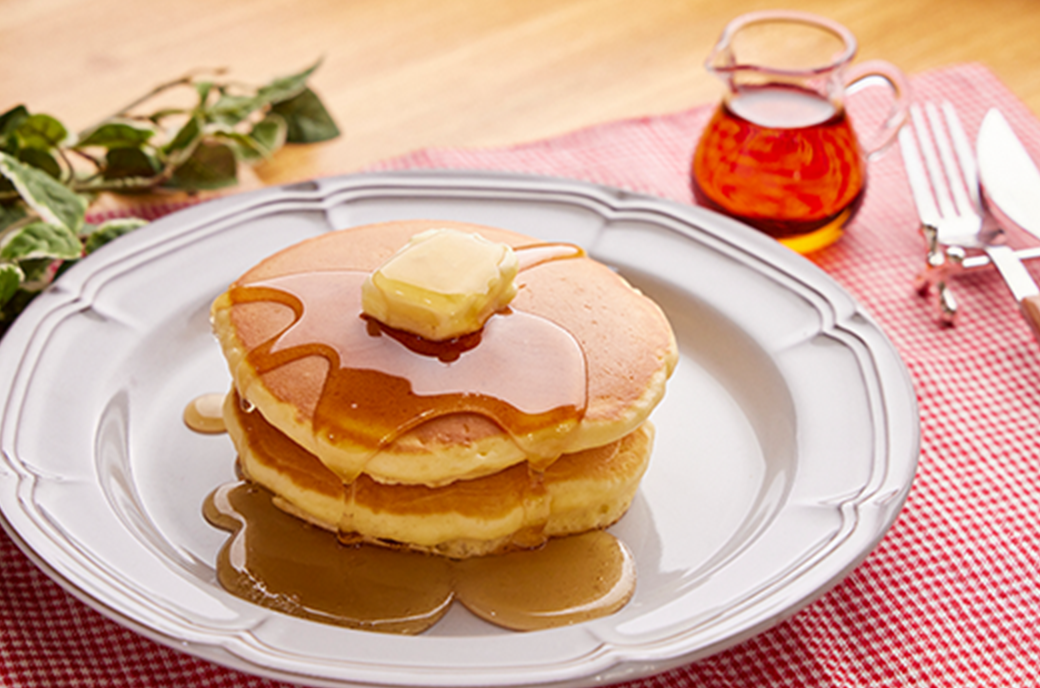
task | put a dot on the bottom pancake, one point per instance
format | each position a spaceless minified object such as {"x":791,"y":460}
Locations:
{"x":513,"y":509}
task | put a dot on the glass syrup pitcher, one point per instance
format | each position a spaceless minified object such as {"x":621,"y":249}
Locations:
{"x":780,"y":153}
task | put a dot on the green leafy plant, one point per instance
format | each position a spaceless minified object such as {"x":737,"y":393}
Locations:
{"x":49,"y":177}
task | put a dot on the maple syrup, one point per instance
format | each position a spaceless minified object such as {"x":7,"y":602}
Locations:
{"x":205,"y":414}
{"x":277,"y":561}
{"x":783,"y":160}
{"x":521,"y":370}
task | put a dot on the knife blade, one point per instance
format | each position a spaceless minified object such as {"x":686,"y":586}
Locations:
{"x":1008,"y":174}
{"x":1011,"y":185}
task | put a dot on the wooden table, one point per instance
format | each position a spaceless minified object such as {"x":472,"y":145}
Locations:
{"x":405,"y":74}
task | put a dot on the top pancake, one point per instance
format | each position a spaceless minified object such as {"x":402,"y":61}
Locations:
{"x":628,"y":345}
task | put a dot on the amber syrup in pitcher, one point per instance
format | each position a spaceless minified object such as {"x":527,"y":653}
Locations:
{"x":784,"y":160}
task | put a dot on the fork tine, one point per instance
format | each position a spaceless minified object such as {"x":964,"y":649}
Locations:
{"x":951,"y":166}
{"x":965,"y":153}
{"x":919,"y":184}
{"x":931,"y":160}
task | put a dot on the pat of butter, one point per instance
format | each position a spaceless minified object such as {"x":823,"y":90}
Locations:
{"x":442,"y":284}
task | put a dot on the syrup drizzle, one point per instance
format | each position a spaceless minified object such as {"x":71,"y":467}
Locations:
{"x":521,"y":370}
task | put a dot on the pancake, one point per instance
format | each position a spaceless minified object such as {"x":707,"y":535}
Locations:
{"x":626,"y":351}
{"x":516,"y":508}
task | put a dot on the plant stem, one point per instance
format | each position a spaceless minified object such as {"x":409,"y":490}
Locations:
{"x":123,"y":184}
{"x":185,"y":80}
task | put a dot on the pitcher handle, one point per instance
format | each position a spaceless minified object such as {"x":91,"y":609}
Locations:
{"x":860,"y":76}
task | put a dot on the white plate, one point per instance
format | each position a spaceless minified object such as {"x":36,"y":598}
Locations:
{"x":787,"y":441}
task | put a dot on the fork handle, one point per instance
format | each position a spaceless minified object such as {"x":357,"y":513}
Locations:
{"x":1030,"y":307}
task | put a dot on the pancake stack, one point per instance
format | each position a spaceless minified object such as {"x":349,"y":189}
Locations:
{"x":534,"y":426}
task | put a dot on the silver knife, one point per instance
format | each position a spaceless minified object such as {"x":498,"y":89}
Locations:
{"x":1009,"y":176}
{"x":1011,"y":184}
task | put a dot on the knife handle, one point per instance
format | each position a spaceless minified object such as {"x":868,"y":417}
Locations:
{"x":1030,"y":307}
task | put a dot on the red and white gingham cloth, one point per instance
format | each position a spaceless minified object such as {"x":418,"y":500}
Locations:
{"x":949,"y":598}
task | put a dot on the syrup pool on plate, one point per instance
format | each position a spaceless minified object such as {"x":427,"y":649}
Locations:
{"x":205,"y":413}
{"x":783,"y":160}
{"x":278,"y":561}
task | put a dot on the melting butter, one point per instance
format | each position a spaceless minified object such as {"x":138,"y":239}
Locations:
{"x":442,"y":284}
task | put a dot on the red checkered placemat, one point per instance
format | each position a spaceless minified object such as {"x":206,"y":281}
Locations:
{"x":949,"y":598}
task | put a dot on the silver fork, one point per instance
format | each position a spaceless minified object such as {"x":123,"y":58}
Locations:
{"x":949,"y":206}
